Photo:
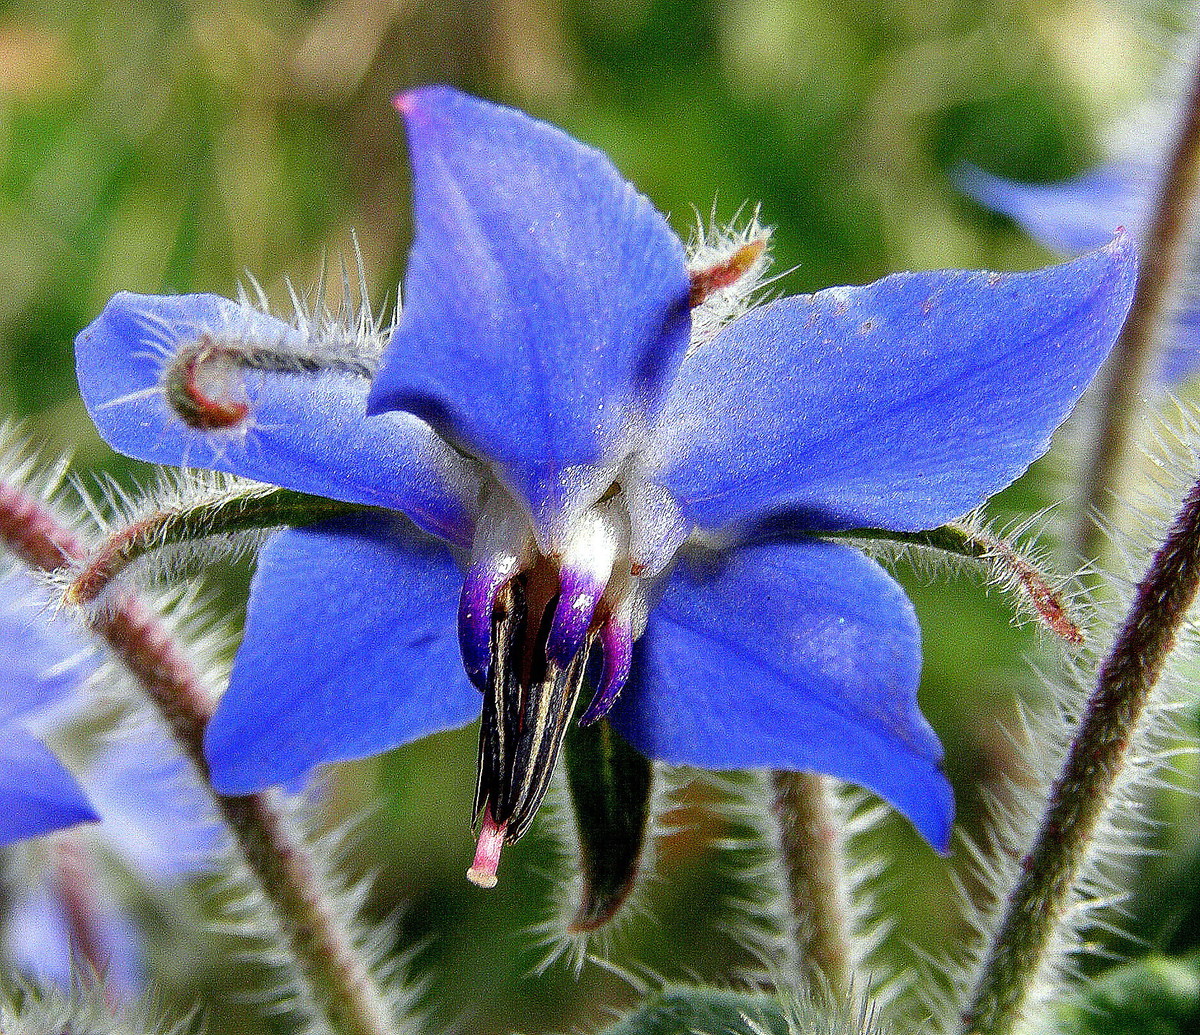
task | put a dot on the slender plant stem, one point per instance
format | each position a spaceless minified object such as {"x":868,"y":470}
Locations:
{"x":74,"y":887}
{"x":1009,"y":567}
{"x":225,"y":511}
{"x":813,"y":854}
{"x":1080,"y":795}
{"x":1131,"y":363}
{"x":339,"y":981}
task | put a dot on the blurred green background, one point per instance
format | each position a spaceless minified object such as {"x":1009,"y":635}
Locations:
{"x":169,"y":147}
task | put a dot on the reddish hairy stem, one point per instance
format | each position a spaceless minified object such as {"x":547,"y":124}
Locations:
{"x":1083,"y":789}
{"x":74,"y":884}
{"x":321,"y":945}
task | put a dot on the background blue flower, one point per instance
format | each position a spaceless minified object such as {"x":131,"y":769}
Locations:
{"x":43,"y":661}
{"x":157,"y":826}
{"x":1071,"y":216}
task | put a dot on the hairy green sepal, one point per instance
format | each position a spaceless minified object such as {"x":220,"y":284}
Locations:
{"x":610,"y":786}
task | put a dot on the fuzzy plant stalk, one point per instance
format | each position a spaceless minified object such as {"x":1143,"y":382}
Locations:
{"x":1124,"y":376}
{"x":338,"y":980}
{"x":812,"y":850}
{"x":1042,"y":894}
{"x":223,"y":508}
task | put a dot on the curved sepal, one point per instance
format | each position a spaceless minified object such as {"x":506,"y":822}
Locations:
{"x":610,"y":785}
{"x":201,"y":381}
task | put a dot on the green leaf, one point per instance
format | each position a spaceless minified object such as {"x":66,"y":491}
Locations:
{"x":1158,"y":995}
{"x":705,"y":1011}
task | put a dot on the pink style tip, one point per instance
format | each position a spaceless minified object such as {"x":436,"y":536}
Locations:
{"x":487,"y":853}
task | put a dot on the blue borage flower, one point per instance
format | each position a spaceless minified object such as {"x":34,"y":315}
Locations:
{"x":157,"y":822}
{"x":151,"y":803}
{"x":600,"y":496}
{"x":1071,"y":216}
{"x":42,"y":663}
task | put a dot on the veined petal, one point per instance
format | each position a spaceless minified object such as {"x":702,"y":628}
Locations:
{"x":901,"y":404}
{"x":545,"y":302}
{"x":350,"y":649}
{"x":37,"y":795}
{"x":280,"y":413}
{"x":801,"y":656}
{"x":1072,"y":215}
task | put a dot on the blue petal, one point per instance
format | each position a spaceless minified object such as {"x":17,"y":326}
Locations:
{"x":901,"y":404}
{"x":546,"y":301}
{"x":306,"y":431}
{"x":43,"y":658}
{"x":1073,"y":215}
{"x":795,"y":656}
{"x":157,"y":816}
{"x":41,"y":946}
{"x":1181,"y":346}
{"x":37,"y":795}
{"x":351,"y":648}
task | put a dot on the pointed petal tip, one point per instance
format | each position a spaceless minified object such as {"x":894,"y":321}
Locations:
{"x":420,"y":104}
{"x":1122,"y":244}
{"x":411,"y":103}
{"x":1121,"y":253}
{"x":938,"y":826}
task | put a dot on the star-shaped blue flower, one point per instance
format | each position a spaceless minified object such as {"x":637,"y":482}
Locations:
{"x":594,"y":476}
{"x":1071,"y":216}
{"x":42,"y":662}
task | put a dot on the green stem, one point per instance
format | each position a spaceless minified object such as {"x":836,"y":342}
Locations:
{"x":813,"y":853}
{"x":319,"y":941}
{"x":1079,"y":797}
{"x":225,"y":511}
{"x":1131,"y":363}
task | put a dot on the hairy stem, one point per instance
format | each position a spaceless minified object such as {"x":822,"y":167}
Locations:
{"x":1082,"y":791}
{"x":318,"y":939}
{"x":812,"y":848}
{"x":74,"y":886}
{"x":224,"y":512}
{"x":1124,"y":376}
{"x":1009,"y":567}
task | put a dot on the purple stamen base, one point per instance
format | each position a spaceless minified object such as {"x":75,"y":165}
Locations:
{"x":579,"y":593}
{"x":616,"y":640}
{"x":484,"y":581}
